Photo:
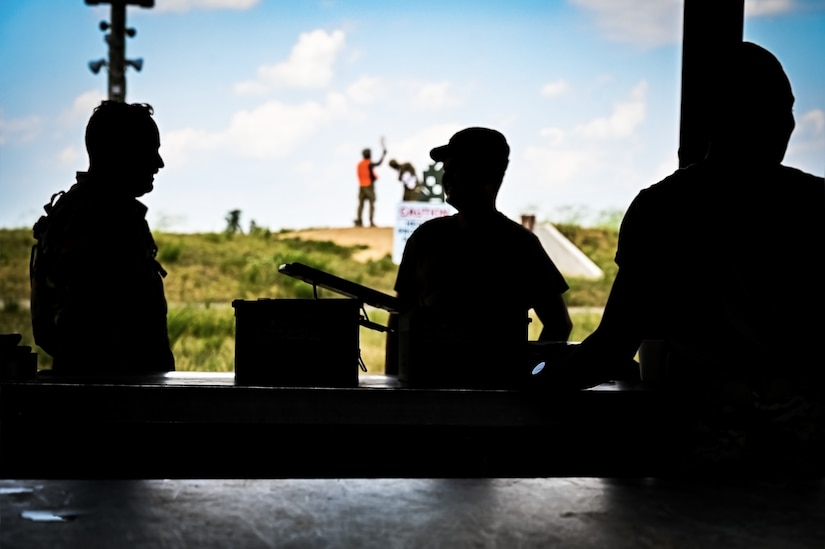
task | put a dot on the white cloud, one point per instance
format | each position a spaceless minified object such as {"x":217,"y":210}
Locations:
{"x":19,"y":130}
{"x":274,"y":129}
{"x":555,"y":136}
{"x":588,"y":155}
{"x":271,"y":130}
{"x":665,"y":167}
{"x":82,"y":108}
{"x":808,"y":141}
{"x":645,"y":23}
{"x":434,"y":96}
{"x":651,"y":23}
{"x":250,"y":87}
{"x":354,"y":56}
{"x":70,"y":156}
{"x":190,"y":5}
{"x":626,"y":117}
{"x":812,"y":122}
{"x":366,"y":90}
{"x":555,"y":89}
{"x":176,"y":146}
{"x":304,"y":168}
{"x":758,"y":8}
{"x":557,"y":166}
{"x":416,"y":147}
{"x":309,"y":65}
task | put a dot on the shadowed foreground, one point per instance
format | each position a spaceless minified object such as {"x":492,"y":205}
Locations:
{"x":380,"y":513}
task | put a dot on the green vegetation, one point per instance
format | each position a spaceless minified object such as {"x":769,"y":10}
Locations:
{"x":208,"y":271}
{"x":599,"y":244}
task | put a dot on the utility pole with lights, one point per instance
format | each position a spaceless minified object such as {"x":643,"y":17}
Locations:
{"x":116,"y":39}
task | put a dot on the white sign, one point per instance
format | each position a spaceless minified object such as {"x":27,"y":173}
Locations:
{"x":408,"y":216}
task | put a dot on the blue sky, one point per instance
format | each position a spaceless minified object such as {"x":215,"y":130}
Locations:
{"x":264,"y":105}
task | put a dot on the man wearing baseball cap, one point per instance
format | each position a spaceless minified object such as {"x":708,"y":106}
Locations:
{"x":467,"y":282}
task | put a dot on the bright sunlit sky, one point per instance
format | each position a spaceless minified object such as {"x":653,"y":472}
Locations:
{"x":264,"y":106}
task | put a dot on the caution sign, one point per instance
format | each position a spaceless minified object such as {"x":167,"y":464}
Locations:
{"x":408,"y":217}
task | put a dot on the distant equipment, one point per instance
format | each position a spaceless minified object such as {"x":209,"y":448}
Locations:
{"x":431,"y":189}
{"x":141,"y":3}
{"x":95,"y":66}
{"x":116,"y":40}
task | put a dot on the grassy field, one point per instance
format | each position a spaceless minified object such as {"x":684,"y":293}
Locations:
{"x":208,"y":271}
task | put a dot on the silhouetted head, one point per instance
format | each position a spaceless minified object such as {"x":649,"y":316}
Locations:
{"x":394,"y":163}
{"x":753,"y":117}
{"x":475,"y":160}
{"x":366,"y":153}
{"x":123,"y":143}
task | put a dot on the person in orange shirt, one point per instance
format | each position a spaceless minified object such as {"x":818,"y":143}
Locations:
{"x":366,"y":184}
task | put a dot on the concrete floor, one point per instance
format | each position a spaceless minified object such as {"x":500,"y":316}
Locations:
{"x":406,"y":513}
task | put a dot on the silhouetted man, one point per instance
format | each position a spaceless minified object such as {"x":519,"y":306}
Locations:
{"x":466,"y":282}
{"x":98,"y":303}
{"x":722,"y":261}
{"x":366,"y":184}
{"x":408,"y":179}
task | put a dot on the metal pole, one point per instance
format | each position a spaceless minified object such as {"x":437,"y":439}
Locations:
{"x":117,"y":52}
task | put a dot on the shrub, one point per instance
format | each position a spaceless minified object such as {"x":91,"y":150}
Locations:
{"x":169,"y":252}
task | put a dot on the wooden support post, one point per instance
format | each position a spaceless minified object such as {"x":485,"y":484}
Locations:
{"x":709,"y":28}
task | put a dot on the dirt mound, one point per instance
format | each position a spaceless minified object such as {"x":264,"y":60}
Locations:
{"x":377,"y":239}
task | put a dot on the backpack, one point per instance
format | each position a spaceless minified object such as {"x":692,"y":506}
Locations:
{"x":44,"y":291}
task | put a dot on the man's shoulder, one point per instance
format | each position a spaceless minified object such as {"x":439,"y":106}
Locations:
{"x":508,"y":230}
{"x":441,"y":221}
{"x":675,"y":192}
{"x":691,"y":180}
{"x":804,"y":178}
{"x":511,"y":225}
{"x":68,"y":208}
{"x":677,"y":180}
{"x":799,"y":194}
{"x":84,"y":208}
{"x":436,"y":225}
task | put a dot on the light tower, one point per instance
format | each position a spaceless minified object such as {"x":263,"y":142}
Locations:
{"x":116,"y":39}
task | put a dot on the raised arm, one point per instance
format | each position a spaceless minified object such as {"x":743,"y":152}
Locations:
{"x":383,"y":152}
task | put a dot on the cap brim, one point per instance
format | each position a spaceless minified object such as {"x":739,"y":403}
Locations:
{"x":440,"y":153}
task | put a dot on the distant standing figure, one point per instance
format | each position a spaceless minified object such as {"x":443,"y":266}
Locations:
{"x":366,"y":184}
{"x":408,"y":179}
{"x":98,"y":303}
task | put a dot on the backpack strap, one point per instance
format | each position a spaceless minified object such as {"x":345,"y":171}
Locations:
{"x":40,"y":225}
